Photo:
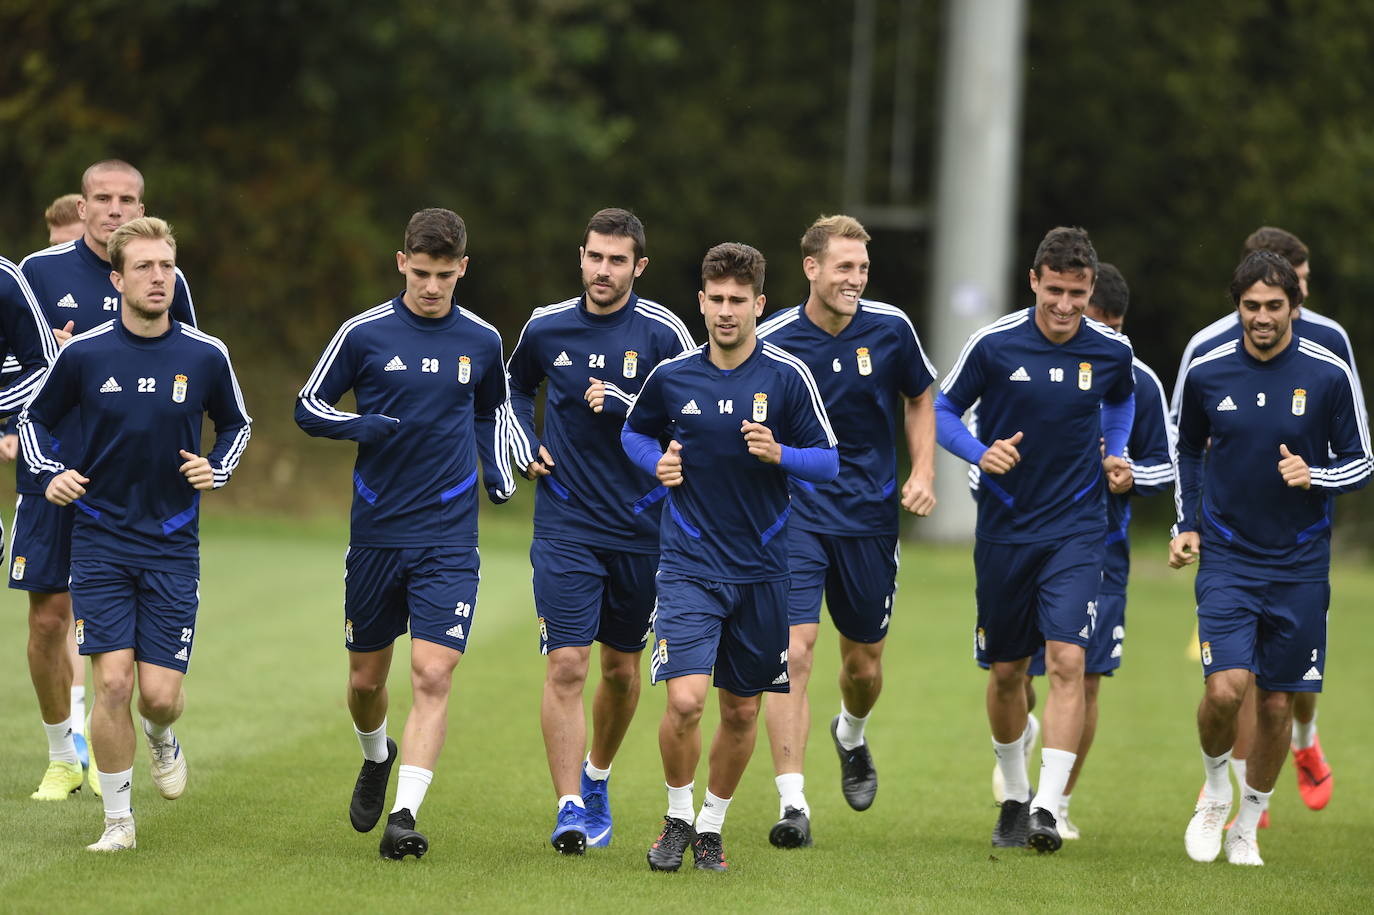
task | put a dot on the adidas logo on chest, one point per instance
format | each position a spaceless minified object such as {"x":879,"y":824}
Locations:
{"x":110,"y":386}
{"x":1227,"y":405}
{"x":67,"y":301}
{"x":691,"y":409}
{"x":395,"y":365}
{"x":562,"y":359}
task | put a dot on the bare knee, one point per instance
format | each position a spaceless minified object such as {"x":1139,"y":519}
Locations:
{"x":684,"y":711}
{"x":433,"y":679}
{"x":621,"y":675}
{"x":863,"y":667}
{"x":1008,"y":677}
{"x":49,"y":619}
{"x":740,"y":714}
{"x":567,"y":670}
{"x":1224,"y":693}
{"x":1275,"y":707}
{"x":116,"y":687}
{"x":366,"y":682}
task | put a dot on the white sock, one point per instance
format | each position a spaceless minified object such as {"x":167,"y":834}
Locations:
{"x":1012,"y":761}
{"x":117,"y":790}
{"x":849,"y":730}
{"x":411,"y":784}
{"x":1055,"y":766}
{"x":1218,"y":780}
{"x":60,"y":744}
{"x":373,"y":743}
{"x":79,"y":710}
{"x":712,"y":816}
{"x":1064,"y":804}
{"x":155,"y":731}
{"x":1304,"y":733}
{"x":1252,"y":806}
{"x":680,"y":806}
{"x":575,"y":799}
{"x":790,"y":794}
{"x":595,"y":774}
{"x":1238,"y":767}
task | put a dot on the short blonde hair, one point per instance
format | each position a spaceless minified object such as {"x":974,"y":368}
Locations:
{"x":149,"y":227}
{"x":62,"y":211}
{"x":827,"y":227}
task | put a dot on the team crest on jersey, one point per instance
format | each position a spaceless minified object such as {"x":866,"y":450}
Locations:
{"x":464,"y":369}
{"x":179,"y":389}
{"x":760,"y":407}
{"x":1207,"y":653}
{"x":348,"y":631}
{"x":1085,"y":376}
{"x":80,"y":632}
{"x":1299,"y":401}
{"x":865,"y":361}
{"x":982,"y":639}
{"x":631,"y":367}
{"x":17,"y":572}
{"x":663,"y":651}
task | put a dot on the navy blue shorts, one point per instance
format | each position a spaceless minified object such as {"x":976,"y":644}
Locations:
{"x":118,"y":607}
{"x":41,"y":551}
{"x":584,"y":595}
{"x":430,"y":590}
{"x":1105,"y":643}
{"x":856,"y":575}
{"x":1031,"y":593}
{"x":737,"y":630}
{"x":1276,"y":629}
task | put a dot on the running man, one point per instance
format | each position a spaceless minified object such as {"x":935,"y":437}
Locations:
{"x":842,"y":542}
{"x":140,"y":387}
{"x":740,"y":415}
{"x":430,"y":384}
{"x":595,"y":545}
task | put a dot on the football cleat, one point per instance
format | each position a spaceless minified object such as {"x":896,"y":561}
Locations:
{"x":708,"y":853}
{"x":82,"y":753}
{"x":667,"y":851}
{"x":62,"y":780}
{"x":1202,"y":838}
{"x":792,"y":831}
{"x":169,"y":765}
{"x":400,"y":838}
{"x":1013,"y":825}
{"x":118,"y":836}
{"x":569,"y":834}
{"x":1314,"y":776}
{"x":858,"y":778}
{"x":596,"y":794}
{"x":1043,"y":833}
{"x":369,"y":791}
{"x":1243,"y":848}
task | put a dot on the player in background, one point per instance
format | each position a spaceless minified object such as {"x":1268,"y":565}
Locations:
{"x":1315,"y":779}
{"x":72,"y":283}
{"x":1149,"y":453}
{"x":430,"y":384}
{"x":1276,"y":417}
{"x":595,"y":544}
{"x":63,"y":217}
{"x":1051,"y":388}
{"x":141,"y":386}
{"x":843,"y":536}
{"x":740,"y":415}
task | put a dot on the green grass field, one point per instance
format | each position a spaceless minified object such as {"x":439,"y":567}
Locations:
{"x":263,"y":825}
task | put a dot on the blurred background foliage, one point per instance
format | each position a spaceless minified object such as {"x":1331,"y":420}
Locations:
{"x":288,"y":142}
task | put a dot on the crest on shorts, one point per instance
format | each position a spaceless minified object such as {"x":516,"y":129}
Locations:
{"x":1085,"y":376}
{"x":17,"y":571}
{"x":982,"y":639}
{"x":631,"y":366}
{"x":179,"y":389}
{"x":348,"y":631}
{"x":81,"y":632}
{"x":1207,"y":653}
{"x":865,"y":361}
{"x":464,"y":369}
{"x":1299,"y":401}
{"x":543,"y":630}
{"x":663,"y":651}
{"x":760,"y":407}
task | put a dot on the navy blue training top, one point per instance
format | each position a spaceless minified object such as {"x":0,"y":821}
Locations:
{"x":24,"y":338}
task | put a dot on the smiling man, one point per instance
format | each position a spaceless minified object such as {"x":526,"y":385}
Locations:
{"x":870,"y":366}
{"x":1278,"y":419}
{"x":740,"y":415}
{"x":1050,"y":387}
{"x":139,"y":387}
{"x":430,"y":384}
{"x":595,"y":545}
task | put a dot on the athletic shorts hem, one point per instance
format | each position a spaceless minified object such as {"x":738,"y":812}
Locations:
{"x":420,"y":637}
{"x":36,"y":588}
{"x":1302,"y":686}
{"x":356,"y":649}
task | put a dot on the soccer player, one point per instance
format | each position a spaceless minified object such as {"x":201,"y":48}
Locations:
{"x":1051,"y":387}
{"x":1149,"y":453}
{"x":430,"y":384}
{"x":63,"y":217}
{"x":595,"y":545}
{"x":1315,"y":779}
{"x":1278,"y":420}
{"x":740,"y":415}
{"x":73,"y":285}
{"x":140,"y":387}
{"x":842,"y":542}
